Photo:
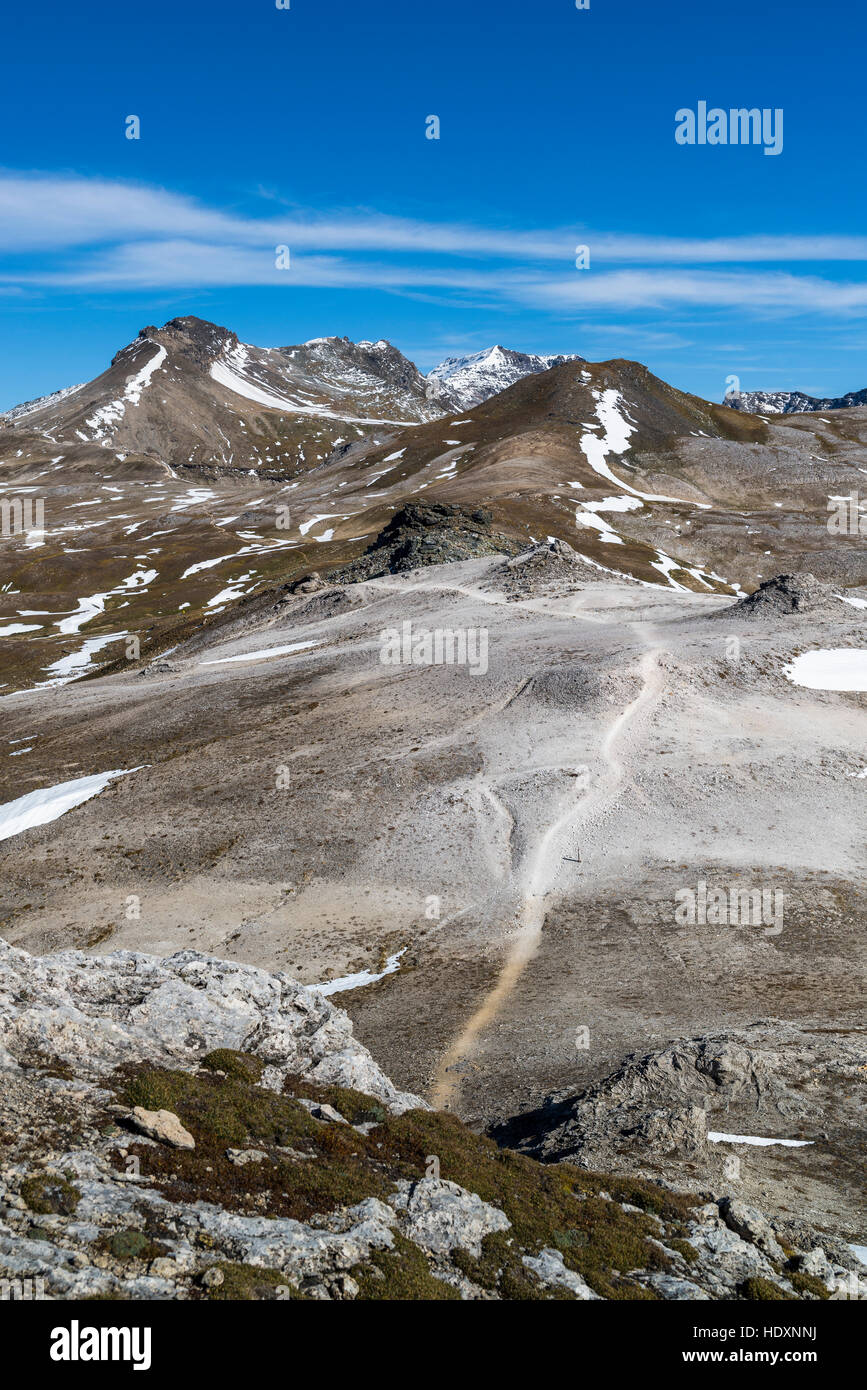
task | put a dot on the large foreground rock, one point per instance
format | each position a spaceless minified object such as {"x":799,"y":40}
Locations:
{"x":253,"y":1185}
{"x":92,"y":1013}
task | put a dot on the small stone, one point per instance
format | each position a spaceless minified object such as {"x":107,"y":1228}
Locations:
{"x":240,"y":1157}
{"x":213,"y":1278}
{"x":551,"y":1270}
{"x":163,"y":1126}
{"x":328,"y":1113}
{"x":815,"y":1262}
{"x":320,"y":1110}
{"x":343,"y":1286}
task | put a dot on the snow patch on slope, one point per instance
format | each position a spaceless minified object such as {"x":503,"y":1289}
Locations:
{"x":49,"y":803}
{"x":107,"y":416}
{"x":615,"y":440}
{"x":840,"y":668}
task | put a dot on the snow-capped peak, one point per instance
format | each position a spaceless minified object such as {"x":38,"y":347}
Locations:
{"x":471,"y":379}
{"x":790,"y":402}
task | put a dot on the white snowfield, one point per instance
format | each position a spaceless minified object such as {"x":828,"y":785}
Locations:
{"x":49,"y":803}
{"x":93,"y":604}
{"x":206,"y":565}
{"x":314,"y":521}
{"x":261,"y":655}
{"x":108,"y":415}
{"x":613,"y":504}
{"x":615,"y":440}
{"x":716,"y":1137}
{"x":836,"y":668}
{"x":68,"y":667}
{"x":361,"y":977}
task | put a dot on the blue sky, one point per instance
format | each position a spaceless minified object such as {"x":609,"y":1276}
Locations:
{"x":306,"y":127}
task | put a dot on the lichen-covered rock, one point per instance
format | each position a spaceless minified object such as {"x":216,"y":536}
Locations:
{"x":673,"y":1289}
{"x":752,"y":1226}
{"x":726,"y":1260}
{"x":549,"y":1267}
{"x":440,"y":1216}
{"x":91,"y":1013}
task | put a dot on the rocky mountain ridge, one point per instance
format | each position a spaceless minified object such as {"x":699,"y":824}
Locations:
{"x":364,"y":383}
{"x":791,"y":402}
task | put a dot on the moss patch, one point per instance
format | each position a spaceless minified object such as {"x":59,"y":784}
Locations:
{"x":241,"y":1065}
{"x":245,"y":1283}
{"x":49,"y":1196}
{"x":684,"y":1248}
{"x":762,"y":1291}
{"x":400,"y":1275}
{"x":131,"y":1245}
{"x":808,"y":1283}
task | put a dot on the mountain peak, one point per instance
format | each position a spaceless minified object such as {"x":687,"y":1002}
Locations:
{"x":196,"y":338}
{"x":471,"y":379}
{"x":791,"y":402}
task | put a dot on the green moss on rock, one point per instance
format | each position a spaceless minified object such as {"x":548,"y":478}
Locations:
{"x":684,"y":1248}
{"x":48,"y":1196}
{"x":246,"y":1283}
{"x":354,"y":1106}
{"x":760,"y":1290}
{"x":312,"y":1167}
{"x":402,"y":1275}
{"x":242,"y":1065}
{"x":808,"y":1284}
{"x":131,"y":1245}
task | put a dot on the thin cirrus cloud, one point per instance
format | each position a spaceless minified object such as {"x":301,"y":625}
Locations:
{"x":114,"y":236}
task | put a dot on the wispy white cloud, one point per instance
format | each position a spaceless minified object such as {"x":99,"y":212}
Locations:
{"x":779,"y":292}
{"x":113,"y":236}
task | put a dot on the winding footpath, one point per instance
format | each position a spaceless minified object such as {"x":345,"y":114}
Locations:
{"x":539,"y":876}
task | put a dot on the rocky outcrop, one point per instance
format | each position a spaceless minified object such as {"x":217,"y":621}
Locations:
{"x":90,"y":1014}
{"x":786,"y":594}
{"x":193,"y":1128}
{"x":432,"y":533}
{"x":666,"y":1102}
{"x":745,"y":1114}
{"x":551,"y":566}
